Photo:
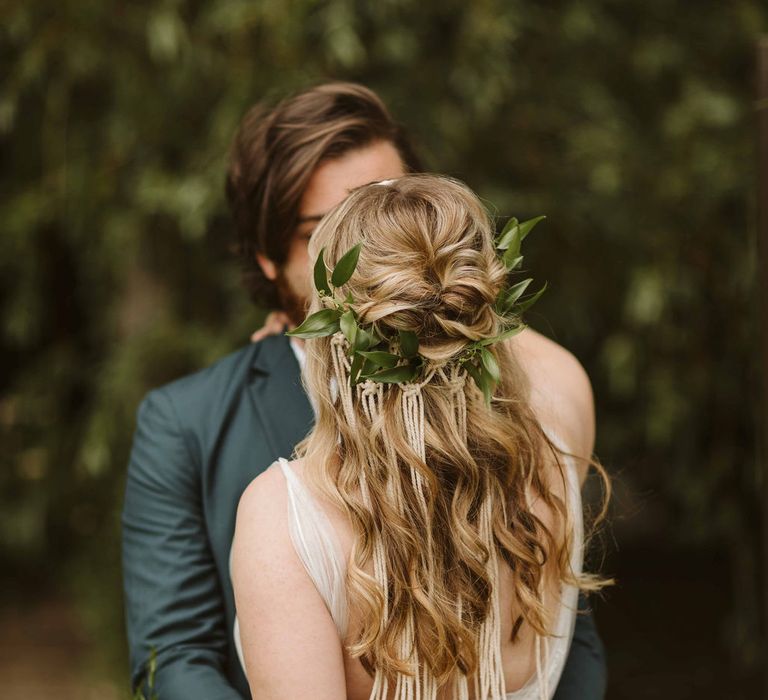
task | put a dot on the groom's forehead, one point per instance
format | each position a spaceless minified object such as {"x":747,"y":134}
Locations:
{"x":333,"y":179}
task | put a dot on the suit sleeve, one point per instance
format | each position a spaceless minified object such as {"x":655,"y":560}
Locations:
{"x":584,"y":676}
{"x":173,"y":599}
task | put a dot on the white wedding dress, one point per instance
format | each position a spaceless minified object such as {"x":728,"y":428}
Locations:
{"x":318,"y":547}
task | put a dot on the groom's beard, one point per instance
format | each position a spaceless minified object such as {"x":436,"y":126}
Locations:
{"x":291,"y":302}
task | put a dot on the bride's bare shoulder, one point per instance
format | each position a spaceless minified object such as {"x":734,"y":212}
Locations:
{"x":268,"y":489}
{"x":262,"y":501}
{"x":561,"y":393}
{"x":261,"y":527}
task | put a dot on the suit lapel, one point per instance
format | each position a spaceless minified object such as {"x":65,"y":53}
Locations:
{"x":278,"y":396}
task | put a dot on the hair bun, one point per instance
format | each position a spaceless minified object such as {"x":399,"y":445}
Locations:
{"x":429,"y":264}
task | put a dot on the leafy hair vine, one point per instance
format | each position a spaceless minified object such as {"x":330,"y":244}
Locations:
{"x":370,"y":351}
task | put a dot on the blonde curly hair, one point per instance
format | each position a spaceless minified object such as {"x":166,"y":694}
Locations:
{"x":436,"y":484}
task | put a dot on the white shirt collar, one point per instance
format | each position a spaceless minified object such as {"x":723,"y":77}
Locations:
{"x":299,"y":352}
{"x":301,"y":358}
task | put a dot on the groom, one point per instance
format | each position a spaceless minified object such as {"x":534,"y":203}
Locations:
{"x":201,"y":439}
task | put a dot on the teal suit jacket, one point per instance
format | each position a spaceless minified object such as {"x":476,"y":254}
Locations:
{"x":199,"y":442}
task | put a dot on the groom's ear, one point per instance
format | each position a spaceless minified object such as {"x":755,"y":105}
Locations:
{"x":267,"y":266}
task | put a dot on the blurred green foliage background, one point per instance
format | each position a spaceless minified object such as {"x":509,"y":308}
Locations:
{"x":630,"y":124}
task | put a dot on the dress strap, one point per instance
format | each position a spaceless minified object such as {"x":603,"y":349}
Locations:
{"x":566,"y":622}
{"x":573,"y":483}
{"x":317,"y":546}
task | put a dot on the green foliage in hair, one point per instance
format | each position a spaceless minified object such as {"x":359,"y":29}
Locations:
{"x":370,"y":352}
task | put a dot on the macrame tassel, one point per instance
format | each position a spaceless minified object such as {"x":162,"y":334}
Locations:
{"x":371,"y":396}
{"x":410,"y":685}
{"x":412,"y":404}
{"x":413,"y":417}
{"x":341,"y":368}
{"x":456,"y":381}
{"x":380,"y":688}
{"x":461,"y":683}
{"x":422,"y":685}
{"x":489,"y":682}
{"x":419,"y":686}
{"x":461,"y":690}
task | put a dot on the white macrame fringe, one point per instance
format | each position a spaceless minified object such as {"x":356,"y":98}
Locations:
{"x":489,"y":679}
{"x":461,"y":683}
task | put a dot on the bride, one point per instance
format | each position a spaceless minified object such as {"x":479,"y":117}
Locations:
{"x":426,"y":541}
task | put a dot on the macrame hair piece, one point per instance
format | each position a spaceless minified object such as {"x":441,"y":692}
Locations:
{"x":421,"y":685}
{"x":371,"y":396}
{"x":456,"y":380}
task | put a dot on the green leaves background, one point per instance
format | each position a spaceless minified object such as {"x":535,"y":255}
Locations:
{"x":630,"y":124}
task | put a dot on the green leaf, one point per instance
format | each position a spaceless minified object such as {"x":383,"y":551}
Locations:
{"x":381,"y":359}
{"x":395,"y":375}
{"x":346,"y":266}
{"x":474,"y":372}
{"x":377,"y":337}
{"x":511,"y":295}
{"x":511,"y":257}
{"x":526,"y":304}
{"x":481,"y":379}
{"x":355,"y":367}
{"x":503,"y":241}
{"x":503,"y":336}
{"x":321,"y":275}
{"x":527,"y":226}
{"x":319,"y":324}
{"x":513,"y":263}
{"x":364,"y":339}
{"x":409,"y":344}
{"x":348,"y":326}
{"x":321,"y":332}
{"x":489,"y":364}
{"x":511,"y":239}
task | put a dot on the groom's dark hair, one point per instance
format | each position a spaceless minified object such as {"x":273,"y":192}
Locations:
{"x":276,"y":151}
